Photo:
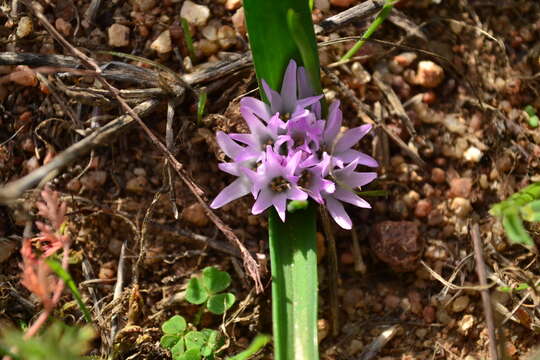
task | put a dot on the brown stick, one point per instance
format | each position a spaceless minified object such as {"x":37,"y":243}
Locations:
{"x":486,"y":300}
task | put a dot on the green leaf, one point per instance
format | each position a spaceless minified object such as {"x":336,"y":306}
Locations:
{"x":192,"y":354}
{"x":194,"y":340}
{"x":272,"y":44}
{"x":530,"y":110}
{"x":385,"y":11}
{"x":178,"y":350}
{"x":307,"y":48}
{"x":257,"y":344}
{"x":68,"y":280}
{"x":196,"y":293}
{"x":174,"y":326}
{"x":294,"y":284}
{"x":531,"y":211}
{"x":534,"y":121}
{"x":220,"y":303}
{"x":188,"y":39}
{"x":215,"y":280}
{"x":201,"y":104}
{"x":168,"y":341}
{"x":213,"y":342}
{"x":515,"y":230}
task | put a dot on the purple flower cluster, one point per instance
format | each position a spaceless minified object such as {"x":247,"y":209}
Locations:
{"x":291,"y":153}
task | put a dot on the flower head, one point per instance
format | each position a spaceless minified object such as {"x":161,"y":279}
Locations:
{"x":291,"y":153}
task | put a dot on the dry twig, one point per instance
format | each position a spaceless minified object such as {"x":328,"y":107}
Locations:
{"x":486,"y":300}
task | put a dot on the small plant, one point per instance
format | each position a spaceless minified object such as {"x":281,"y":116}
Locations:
{"x":531,"y":116}
{"x":208,"y":289}
{"x":58,"y":341}
{"x":523,"y":205}
{"x":190,"y":345}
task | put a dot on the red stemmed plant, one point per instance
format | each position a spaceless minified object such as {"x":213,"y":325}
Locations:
{"x":37,"y":275}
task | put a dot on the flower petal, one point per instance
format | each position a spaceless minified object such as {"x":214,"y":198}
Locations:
{"x":357,"y":179}
{"x":351,"y":137}
{"x":338,"y":213}
{"x":227,"y":144}
{"x":351,"y":198}
{"x":363,"y":159}
{"x":288,"y":89}
{"x":280,"y":204}
{"x":333,"y":125}
{"x":273,"y":97}
{"x":233,"y":191}
{"x":263,"y":202}
{"x":295,"y":193}
{"x":258,"y":107}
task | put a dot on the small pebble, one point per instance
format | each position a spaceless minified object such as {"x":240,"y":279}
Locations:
{"x":24,"y":76}
{"x":25,"y":27}
{"x":438,"y":175}
{"x":195,"y":215}
{"x":423,"y":208}
{"x":429,"y":314}
{"x":94,"y":179}
{"x":355,"y":347}
{"x":461,"y":206}
{"x":226,"y":37}
{"x":145,"y":5}
{"x":323,"y":5}
{"x":473,"y":154}
{"x":323,"y":328}
{"x":465,"y":324}
{"x":397,"y":243}
{"x":443,"y":317}
{"x":107,"y":270}
{"x":421,"y":333}
{"x":207,"y":47}
{"x":7,"y":248}
{"x":351,"y":299}
{"x":118,"y":35}
{"x":74,"y":185}
{"x":137,"y":184}
{"x":460,"y":303}
{"x":429,"y":74}
{"x":391,"y":301}
{"x":114,"y":246}
{"x":347,"y":258}
{"x":411,"y":198}
{"x":510,"y":348}
{"x":233,"y":4}
{"x":210,"y":32}
{"x":195,"y":14}
{"x":163,"y":43}
{"x":63,"y":26}
{"x":455,"y":124}
{"x":460,"y":187}
{"x":239,"y":22}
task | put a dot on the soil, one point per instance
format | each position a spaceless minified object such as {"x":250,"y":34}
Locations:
{"x":445,"y":84}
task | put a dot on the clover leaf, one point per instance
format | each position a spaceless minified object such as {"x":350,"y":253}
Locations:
{"x":220,"y":303}
{"x":196,"y":292}
{"x":215,"y":280}
{"x":207,"y":288}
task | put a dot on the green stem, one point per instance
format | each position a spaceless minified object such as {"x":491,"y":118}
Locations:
{"x":294,"y":284}
{"x":385,"y":11}
{"x":281,"y":30}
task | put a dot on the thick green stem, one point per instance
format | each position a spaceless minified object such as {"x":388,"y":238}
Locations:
{"x":279,"y":31}
{"x":294,"y":284}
